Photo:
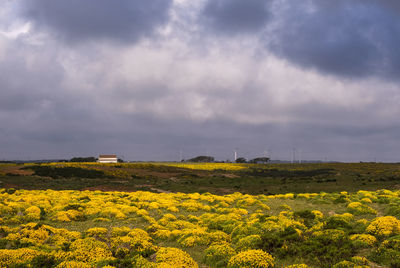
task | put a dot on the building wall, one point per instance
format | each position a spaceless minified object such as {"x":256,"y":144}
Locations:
{"x":108,"y":160}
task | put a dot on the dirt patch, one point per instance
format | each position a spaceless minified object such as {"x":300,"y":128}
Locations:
{"x":160,"y":190}
{"x":230,"y":176}
{"x":222,"y":191}
{"x":225,"y":190}
{"x":106,"y":188}
{"x":16,"y":170}
{"x":144,"y":185}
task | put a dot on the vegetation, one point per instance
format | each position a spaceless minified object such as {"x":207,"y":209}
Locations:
{"x":66,"y":172}
{"x":216,"y":178}
{"x":46,"y":228}
{"x":203,"y":159}
{"x":241,"y":160}
{"x":259,"y":160}
{"x":199,"y":215}
{"x":83,"y":159}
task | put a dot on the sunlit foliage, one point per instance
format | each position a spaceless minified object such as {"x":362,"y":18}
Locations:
{"x":144,"y":229}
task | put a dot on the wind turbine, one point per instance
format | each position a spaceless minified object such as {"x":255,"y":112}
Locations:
{"x":235,"y":151}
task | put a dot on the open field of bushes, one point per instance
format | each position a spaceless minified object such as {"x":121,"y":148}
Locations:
{"x":143,"y":229}
{"x":215,"y":178}
{"x":199,"y":215}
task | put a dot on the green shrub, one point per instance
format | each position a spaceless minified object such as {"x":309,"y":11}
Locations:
{"x":43,"y":260}
{"x":328,"y":247}
{"x":388,"y":253}
{"x":248,"y":242}
{"x":218,"y":255}
{"x":66,"y":172}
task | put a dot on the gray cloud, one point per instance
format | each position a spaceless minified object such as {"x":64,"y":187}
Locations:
{"x":74,"y":20}
{"x":149,"y":100}
{"x":346,"y":38}
{"x":236,"y":16}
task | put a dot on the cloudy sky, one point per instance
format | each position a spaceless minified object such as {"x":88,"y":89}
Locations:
{"x":151,"y":79}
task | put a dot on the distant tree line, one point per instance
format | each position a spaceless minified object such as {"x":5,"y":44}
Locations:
{"x":202,"y":159}
{"x":208,"y":159}
{"x":257,"y":160}
{"x":83,"y":159}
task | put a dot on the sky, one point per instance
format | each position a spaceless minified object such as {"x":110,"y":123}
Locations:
{"x":160,"y":79}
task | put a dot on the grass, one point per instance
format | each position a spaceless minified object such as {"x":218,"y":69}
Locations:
{"x":251,"y":179}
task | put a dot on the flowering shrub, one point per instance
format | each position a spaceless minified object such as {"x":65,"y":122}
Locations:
{"x":88,"y":250}
{"x":349,"y":264}
{"x":384,"y":226}
{"x":73,"y":264}
{"x":254,"y":258}
{"x":218,"y":255}
{"x":175,"y":257}
{"x":366,"y":200}
{"x":358,"y":208}
{"x":209,"y":166}
{"x":199,"y":236}
{"x":248,"y":242}
{"x":360,"y":260}
{"x":33,"y":213}
{"x":363,"y":240}
{"x":388,"y":253}
{"x":69,"y":215}
{"x":226,"y":226}
{"x":97,"y":232}
{"x":10,"y":257}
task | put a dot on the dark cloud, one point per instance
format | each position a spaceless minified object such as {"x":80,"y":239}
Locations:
{"x":75,"y":20}
{"x":347,"y":38}
{"x":148,"y":101}
{"x":28,"y":82}
{"x":236,"y":16}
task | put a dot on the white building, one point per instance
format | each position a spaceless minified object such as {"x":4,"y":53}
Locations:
{"x":108,"y":158}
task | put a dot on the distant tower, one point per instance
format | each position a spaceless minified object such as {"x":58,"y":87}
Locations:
{"x":236,"y":149}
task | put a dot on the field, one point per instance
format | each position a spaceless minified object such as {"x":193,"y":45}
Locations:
{"x":216,"y":178}
{"x":199,"y":215}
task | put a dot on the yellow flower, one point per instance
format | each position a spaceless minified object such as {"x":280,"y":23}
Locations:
{"x":175,"y":257}
{"x":89,"y":250}
{"x":33,"y":213}
{"x":73,"y":264}
{"x":364,"y":239}
{"x":251,"y":259}
{"x":9,"y":257}
{"x":384,"y":226}
{"x":359,"y":208}
{"x":97,"y":232}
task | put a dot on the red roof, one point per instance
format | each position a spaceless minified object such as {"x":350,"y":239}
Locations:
{"x":108,"y":156}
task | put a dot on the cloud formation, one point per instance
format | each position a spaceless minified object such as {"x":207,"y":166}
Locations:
{"x":345,"y":38}
{"x":236,"y":16}
{"x":318,"y":76}
{"x":75,"y":21}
